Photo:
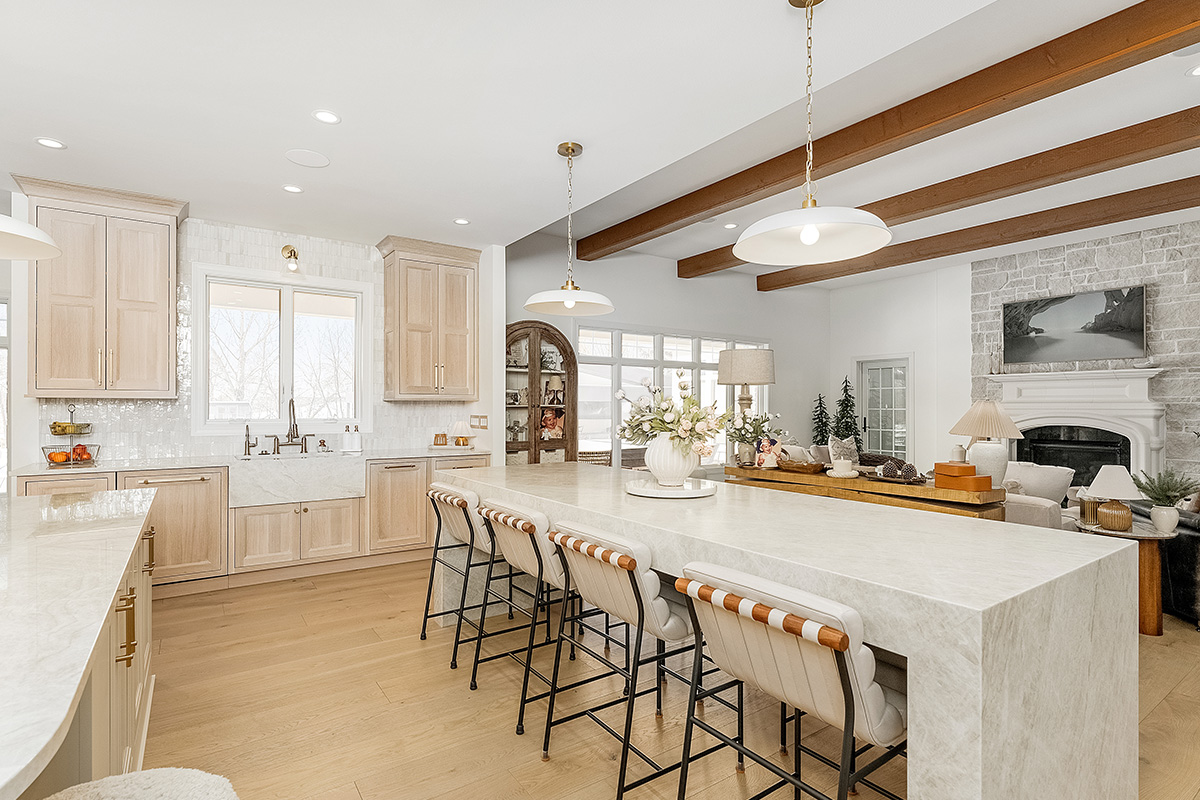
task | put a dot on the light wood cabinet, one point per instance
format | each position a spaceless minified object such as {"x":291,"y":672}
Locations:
{"x":65,"y":484}
{"x":397,"y":507}
{"x":266,"y":536}
{"x":431,"y":337}
{"x":129,"y":664}
{"x":330,"y":529}
{"x":103,"y":321}
{"x":190,"y":519}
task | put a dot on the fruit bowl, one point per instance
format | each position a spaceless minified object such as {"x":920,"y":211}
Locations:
{"x":76,"y":456}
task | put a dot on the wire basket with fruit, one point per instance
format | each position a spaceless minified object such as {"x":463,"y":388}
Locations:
{"x":74,"y":456}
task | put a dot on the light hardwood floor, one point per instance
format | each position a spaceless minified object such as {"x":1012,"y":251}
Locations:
{"x":321,"y":688}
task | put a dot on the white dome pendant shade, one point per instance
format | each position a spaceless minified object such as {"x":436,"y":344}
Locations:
{"x":811,"y":234}
{"x":814,"y":235}
{"x":20,"y":241}
{"x":569,"y":300}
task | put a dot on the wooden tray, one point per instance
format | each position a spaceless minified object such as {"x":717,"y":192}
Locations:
{"x":803,"y":467}
{"x":921,"y":481}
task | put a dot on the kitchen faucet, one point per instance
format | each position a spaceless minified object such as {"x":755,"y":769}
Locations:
{"x":250,"y":444}
{"x":293,"y":437}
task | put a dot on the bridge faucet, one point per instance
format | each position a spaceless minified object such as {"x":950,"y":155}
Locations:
{"x":250,"y":444}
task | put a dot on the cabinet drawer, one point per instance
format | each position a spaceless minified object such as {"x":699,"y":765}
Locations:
{"x":92,"y":482}
{"x":461,"y":462}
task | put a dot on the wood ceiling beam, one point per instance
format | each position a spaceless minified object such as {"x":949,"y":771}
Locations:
{"x":1159,"y":199}
{"x":1139,"y":33}
{"x":1173,"y":133}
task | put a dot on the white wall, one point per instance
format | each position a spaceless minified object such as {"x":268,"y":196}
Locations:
{"x":648,"y":294}
{"x":925,"y":317}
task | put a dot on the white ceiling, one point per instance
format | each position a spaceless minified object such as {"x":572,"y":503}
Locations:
{"x":453,"y":109}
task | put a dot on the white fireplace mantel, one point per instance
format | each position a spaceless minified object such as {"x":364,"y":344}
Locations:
{"x":1115,"y":400}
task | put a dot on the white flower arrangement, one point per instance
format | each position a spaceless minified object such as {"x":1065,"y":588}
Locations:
{"x":749,"y":428}
{"x":689,"y":424}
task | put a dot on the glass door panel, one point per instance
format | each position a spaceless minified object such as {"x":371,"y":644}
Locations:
{"x":883,"y":395}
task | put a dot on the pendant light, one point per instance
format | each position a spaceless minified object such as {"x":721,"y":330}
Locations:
{"x":20,"y":241}
{"x":811,"y":234}
{"x":569,"y":300}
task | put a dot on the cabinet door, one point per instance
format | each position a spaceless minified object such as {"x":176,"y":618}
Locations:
{"x":397,"y":505}
{"x":102,"y":482}
{"x":69,"y":304}
{"x":190,"y":519}
{"x":266,"y":536}
{"x":457,"y":338}
{"x":416,"y":328}
{"x":125,"y":676}
{"x":140,"y":306}
{"x":329,"y":529}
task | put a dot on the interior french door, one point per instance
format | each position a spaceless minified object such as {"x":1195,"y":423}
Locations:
{"x":883,"y":391}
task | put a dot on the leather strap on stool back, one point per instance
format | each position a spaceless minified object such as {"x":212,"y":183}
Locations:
{"x":518,"y":531}
{"x":450,"y":502}
{"x":782,"y":640}
{"x":600,"y":564}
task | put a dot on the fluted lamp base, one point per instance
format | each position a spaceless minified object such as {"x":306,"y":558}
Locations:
{"x":1115,"y":516}
{"x":990,"y":457}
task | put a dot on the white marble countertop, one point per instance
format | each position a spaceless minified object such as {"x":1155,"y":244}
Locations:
{"x":61,"y":562}
{"x":1021,"y":641}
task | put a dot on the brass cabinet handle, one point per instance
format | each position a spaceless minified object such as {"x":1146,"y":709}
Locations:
{"x":401,"y":466}
{"x":148,"y":568}
{"x":306,"y":511}
{"x":108,"y":366}
{"x":295,"y":511}
{"x":441,"y":378}
{"x":157,"y":481}
{"x":127,"y":604}
{"x":100,"y":367}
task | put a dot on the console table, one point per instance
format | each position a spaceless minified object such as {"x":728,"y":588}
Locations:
{"x":926,"y":497}
{"x":1149,"y":539}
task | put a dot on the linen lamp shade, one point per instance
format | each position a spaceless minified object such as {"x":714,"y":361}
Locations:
{"x":746,"y":367}
{"x":461,"y":432}
{"x":989,"y":426}
{"x":1114,"y":483}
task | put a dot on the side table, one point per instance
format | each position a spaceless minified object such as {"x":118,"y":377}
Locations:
{"x":1149,"y":539}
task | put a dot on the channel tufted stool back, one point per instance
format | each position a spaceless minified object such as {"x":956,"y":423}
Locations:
{"x":153,"y":784}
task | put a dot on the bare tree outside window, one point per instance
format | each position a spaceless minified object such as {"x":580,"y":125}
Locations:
{"x":324,"y":358}
{"x":243,"y":352}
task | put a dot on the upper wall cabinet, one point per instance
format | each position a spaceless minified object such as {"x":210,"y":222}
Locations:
{"x":431,"y":320}
{"x":103,"y":321}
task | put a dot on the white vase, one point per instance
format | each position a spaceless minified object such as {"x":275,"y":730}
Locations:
{"x":990,"y":457}
{"x":1165,"y":518}
{"x":669,"y":462}
{"x":745,"y":454}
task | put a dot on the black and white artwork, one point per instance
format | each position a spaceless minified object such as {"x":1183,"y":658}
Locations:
{"x":1080,"y":327}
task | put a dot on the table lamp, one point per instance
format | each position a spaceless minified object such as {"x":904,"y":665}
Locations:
{"x":990,"y":427}
{"x":746,"y":368}
{"x":461,"y":432}
{"x":1114,"y":483}
{"x":554,"y":390}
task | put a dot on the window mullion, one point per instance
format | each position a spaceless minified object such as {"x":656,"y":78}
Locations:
{"x":287,"y":349}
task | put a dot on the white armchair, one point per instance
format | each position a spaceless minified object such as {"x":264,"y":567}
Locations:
{"x":1035,"y":494}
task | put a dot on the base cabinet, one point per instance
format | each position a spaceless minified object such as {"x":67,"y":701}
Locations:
{"x":67,"y":484}
{"x":292,"y":533}
{"x":189,"y":518}
{"x":397,"y":507}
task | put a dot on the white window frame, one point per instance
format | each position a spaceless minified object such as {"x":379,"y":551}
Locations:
{"x":861,"y":398}
{"x":6,"y":344}
{"x":203,"y":274}
{"x":664,"y":368}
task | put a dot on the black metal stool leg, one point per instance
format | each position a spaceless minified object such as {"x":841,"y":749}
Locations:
{"x":554,"y":681}
{"x":689,"y":725}
{"x":510,"y":593}
{"x":796,"y":760}
{"x":462,"y":604}
{"x":741,"y":734}
{"x":783,"y":721}
{"x":487,"y":587}
{"x":660,"y":677}
{"x":533,"y":623}
{"x":625,"y":741}
{"x":437,"y":545}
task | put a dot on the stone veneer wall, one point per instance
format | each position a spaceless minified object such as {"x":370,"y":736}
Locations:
{"x":162,"y":428}
{"x":1166,"y":260}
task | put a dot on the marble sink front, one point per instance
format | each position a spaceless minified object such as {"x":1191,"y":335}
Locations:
{"x":296,"y":478}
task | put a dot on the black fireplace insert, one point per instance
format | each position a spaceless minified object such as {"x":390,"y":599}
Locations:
{"x":1082,"y":449}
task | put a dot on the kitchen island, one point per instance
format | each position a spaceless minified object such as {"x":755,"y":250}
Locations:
{"x":1021,"y":641}
{"x":74,"y":638}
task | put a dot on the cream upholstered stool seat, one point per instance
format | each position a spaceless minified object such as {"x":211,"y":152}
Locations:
{"x":803,"y":650}
{"x":616,"y":575}
{"x":153,"y":784}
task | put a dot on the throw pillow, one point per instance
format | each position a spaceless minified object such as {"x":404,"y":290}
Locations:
{"x":820,"y":453}
{"x":843,"y":449}
{"x":1013,"y":487}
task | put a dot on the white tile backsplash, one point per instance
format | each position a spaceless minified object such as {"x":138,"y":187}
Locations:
{"x":162,"y":428}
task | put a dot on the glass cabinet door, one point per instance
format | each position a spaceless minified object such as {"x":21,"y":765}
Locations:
{"x":517,"y":401}
{"x":551,"y":404}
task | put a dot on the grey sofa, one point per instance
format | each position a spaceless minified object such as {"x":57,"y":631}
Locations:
{"x":1180,"y":566}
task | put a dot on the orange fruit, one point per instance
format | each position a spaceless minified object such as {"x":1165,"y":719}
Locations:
{"x":59,"y":457}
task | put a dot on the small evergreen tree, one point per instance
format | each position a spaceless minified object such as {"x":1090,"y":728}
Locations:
{"x":820,"y":421}
{"x":845,"y":421}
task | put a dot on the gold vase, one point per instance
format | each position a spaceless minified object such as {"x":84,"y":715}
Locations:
{"x":1087,"y":512}
{"x":1115,"y":516}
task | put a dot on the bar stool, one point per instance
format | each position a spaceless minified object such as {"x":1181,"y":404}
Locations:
{"x":459,"y":527}
{"x":152,"y":784}
{"x":803,"y":650}
{"x":614,"y":575}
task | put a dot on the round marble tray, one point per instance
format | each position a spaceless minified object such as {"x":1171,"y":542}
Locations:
{"x":692,"y":487}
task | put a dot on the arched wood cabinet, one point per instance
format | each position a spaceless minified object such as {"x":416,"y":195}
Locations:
{"x":541,"y":394}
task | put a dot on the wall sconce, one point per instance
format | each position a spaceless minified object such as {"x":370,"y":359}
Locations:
{"x":292,"y":257}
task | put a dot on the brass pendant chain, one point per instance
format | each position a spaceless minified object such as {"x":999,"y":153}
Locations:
{"x":570,"y":232}
{"x":810,"y":190}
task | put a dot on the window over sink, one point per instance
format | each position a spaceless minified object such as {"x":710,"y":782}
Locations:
{"x":261,"y":340}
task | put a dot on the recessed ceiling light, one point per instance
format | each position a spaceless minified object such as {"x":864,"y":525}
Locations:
{"x":287,"y":187}
{"x":306,"y":158}
{"x":328,"y":117}
{"x":53,"y":144}
{"x":461,"y":221}
{"x":1194,"y":71}
{"x":730,"y":226}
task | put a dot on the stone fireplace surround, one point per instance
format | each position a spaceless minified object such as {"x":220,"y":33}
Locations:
{"x":1116,"y":400}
